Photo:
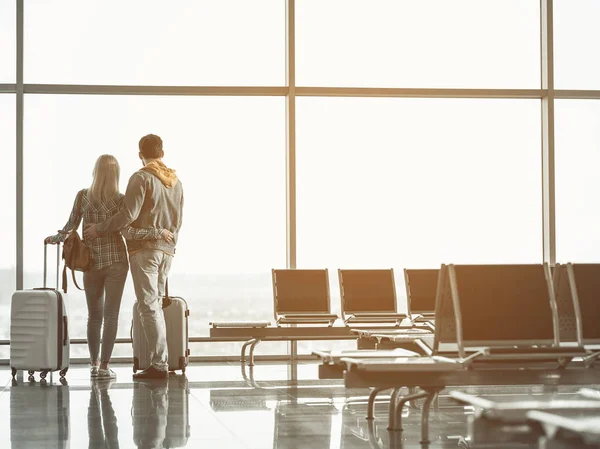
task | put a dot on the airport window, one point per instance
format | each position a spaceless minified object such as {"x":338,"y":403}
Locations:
{"x":577,"y":160}
{"x":417,"y":182}
{"x":391,"y":43}
{"x":450,"y":172}
{"x":228,"y":151}
{"x":141,"y":42}
{"x":7,"y":41}
{"x":7,"y":211}
{"x":576,"y":34}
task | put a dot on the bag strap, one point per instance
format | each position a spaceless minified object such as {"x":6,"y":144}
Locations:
{"x":64,"y":277}
{"x":75,"y":281}
{"x":79,"y":201}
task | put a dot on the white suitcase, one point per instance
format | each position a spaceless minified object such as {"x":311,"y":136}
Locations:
{"x":176,"y":320}
{"x":39,"y":329}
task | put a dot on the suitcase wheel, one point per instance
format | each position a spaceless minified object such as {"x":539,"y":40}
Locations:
{"x":30,"y":372}
{"x":62,"y":372}
{"x":43,"y":375}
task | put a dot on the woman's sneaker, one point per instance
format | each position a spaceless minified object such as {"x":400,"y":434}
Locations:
{"x":94,"y":371}
{"x":106,"y":374}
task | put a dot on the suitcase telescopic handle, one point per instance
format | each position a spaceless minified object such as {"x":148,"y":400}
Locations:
{"x":46,"y":263}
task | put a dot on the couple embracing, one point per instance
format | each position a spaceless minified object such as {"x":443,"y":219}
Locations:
{"x":149,"y":217}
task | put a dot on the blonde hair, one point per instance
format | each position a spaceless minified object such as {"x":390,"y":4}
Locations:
{"x":105,"y":183}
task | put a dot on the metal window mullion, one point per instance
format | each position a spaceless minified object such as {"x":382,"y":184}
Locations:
{"x":100,"y":89}
{"x":8,"y":88}
{"x":297,"y":91}
{"x":290,"y":118}
{"x":290,"y":153}
{"x":19,"y":147}
{"x":401,"y":92}
{"x":547,"y":117}
{"x":577,"y":94}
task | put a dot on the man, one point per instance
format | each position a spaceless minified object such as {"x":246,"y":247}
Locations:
{"x":154,"y":199}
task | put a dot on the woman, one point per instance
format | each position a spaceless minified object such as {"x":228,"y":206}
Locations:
{"x":105,"y":280}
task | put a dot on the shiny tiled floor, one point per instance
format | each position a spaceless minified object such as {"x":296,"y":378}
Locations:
{"x":217,"y":406}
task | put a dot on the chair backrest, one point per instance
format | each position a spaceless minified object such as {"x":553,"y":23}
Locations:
{"x":497,"y":305}
{"x":301,"y":291}
{"x":586,"y":277}
{"x":367,"y":291}
{"x":445,"y":319}
{"x":569,"y":323}
{"x":421,"y":288}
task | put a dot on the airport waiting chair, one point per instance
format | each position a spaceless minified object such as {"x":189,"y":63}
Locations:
{"x":501,"y":321}
{"x":586,"y":283}
{"x":508,"y":309}
{"x":369,"y":296}
{"x":421,"y":288}
{"x":578,"y":290}
{"x":302,"y":297}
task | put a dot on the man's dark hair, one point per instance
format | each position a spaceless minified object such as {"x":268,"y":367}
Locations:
{"x":151,"y":147}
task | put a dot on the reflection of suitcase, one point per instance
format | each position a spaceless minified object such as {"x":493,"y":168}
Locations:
{"x":176,"y":320}
{"x":43,"y":408}
{"x":160,"y":412}
{"x":39,"y":336}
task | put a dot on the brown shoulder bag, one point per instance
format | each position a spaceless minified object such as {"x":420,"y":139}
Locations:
{"x":77,"y":257}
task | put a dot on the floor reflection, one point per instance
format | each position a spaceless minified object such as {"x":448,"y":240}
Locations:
{"x":103,"y":430}
{"x":263,"y":408}
{"x":39,"y":415}
{"x":160,"y":413}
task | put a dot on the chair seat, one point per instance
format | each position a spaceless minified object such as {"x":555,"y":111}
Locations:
{"x":307,"y":319}
{"x":574,"y":351}
{"x":375,"y":318}
{"x":240,"y":324}
{"x":308,"y":315}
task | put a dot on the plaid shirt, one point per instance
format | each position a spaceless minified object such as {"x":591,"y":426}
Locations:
{"x":110,"y":248}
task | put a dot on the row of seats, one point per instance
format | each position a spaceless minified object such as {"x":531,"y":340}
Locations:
{"x":367,"y":296}
{"x":495,"y":325}
{"x":368,"y":299}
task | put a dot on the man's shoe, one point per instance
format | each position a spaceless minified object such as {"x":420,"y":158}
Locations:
{"x":151,"y":373}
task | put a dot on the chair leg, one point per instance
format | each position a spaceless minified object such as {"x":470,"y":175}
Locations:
{"x":244,"y":346}
{"x":251,"y":354}
{"x":400,"y":405}
{"x":371,"y":402}
{"x":392,"y":408}
{"x":425,"y":416}
{"x":244,"y":375}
